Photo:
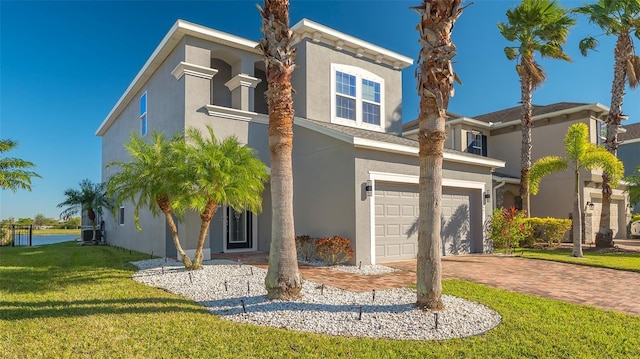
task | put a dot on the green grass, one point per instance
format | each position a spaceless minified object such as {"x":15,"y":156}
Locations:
{"x":68,"y":301}
{"x":48,"y":232}
{"x":624,"y":261}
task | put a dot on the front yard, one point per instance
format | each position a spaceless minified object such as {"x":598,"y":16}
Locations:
{"x":64,"y":300}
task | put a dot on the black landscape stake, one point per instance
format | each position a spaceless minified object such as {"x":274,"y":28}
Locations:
{"x":151,"y":256}
{"x":162,"y":269}
{"x":373,"y":299}
{"x":436,"y":318}
{"x":251,"y":270}
{"x":226,"y":286}
{"x":360,"y":265}
{"x":360,"y":313}
{"x":248,"y":288}
{"x":244,"y":308}
{"x":322,"y":289}
{"x":190,"y":279}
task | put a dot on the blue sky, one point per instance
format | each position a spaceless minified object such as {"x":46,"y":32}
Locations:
{"x":63,"y":65}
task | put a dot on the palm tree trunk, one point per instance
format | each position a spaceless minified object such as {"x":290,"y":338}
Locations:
{"x":165,"y":207}
{"x":577,"y":217}
{"x":283,"y":280}
{"x":526,"y":90}
{"x":435,"y":84}
{"x":604,"y":237}
{"x":205,"y":221}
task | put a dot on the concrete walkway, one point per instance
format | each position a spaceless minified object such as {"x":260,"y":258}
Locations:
{"x":603,"y":288}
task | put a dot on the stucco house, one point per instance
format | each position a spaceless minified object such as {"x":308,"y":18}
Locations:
{"x":354,"y":175}
{"x":498,"y":135}
{"x":629,"y":152}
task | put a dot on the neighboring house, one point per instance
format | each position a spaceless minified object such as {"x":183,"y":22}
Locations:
{"x":629,"y":152}
{"x":498,"y":135}
{"x":354,"y":175}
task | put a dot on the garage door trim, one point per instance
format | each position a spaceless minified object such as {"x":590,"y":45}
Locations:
{"x":411,"y":179}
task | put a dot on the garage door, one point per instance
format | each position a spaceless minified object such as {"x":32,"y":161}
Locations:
{"x":396,"y":215}
{"x":615,"y":219}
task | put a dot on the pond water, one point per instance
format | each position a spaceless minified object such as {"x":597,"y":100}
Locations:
{"x":46,"y":239}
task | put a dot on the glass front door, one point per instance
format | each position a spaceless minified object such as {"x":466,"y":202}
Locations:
{"x":238,"y":229}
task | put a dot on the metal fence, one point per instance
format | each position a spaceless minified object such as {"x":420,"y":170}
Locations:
{"x":19,"y":235}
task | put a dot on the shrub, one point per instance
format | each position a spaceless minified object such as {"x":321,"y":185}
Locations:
{"x":507,"y":228}
{"x":635,"y":217}
{"x":334,"y":250}
{"x":548,"y":230}
{"x":306,"y":247}
{"x":5,"y":236}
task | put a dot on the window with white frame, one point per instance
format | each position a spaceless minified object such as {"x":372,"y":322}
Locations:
{"x":121,"y":215}
{"x":477,"y":143}
{"x":602,"y":132}
{"x":357,"y":97}
{"x":143,"y":114}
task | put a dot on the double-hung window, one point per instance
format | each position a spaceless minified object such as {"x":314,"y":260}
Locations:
{"x":477,"y":143}
{"x":357,"y":97}
{"x":143,"y":114}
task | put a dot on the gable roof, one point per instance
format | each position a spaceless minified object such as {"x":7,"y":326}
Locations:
{"x":515,"y":113}
{"x":632,"y":133}
{"x":380,"y":141}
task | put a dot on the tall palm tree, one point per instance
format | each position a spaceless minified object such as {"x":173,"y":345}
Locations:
{"x":581,"y":154}
{"x":152,"y":180}
{"x":619,"y":18}
{"x":219,"y":172}
{"x":435,"y":85}
{"x":283,"y":279}
{"x":14,"y":173}
{"x":91,"y":197}
{"x":538,"y":26}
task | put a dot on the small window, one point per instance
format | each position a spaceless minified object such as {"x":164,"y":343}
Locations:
{"x":602,"y":132}
{"x":477,"y":143}
{"x":121,"y":215}
{"x":143,"y":114}
{"x":357,"y":97}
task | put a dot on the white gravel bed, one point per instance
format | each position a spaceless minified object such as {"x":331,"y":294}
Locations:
{"x":224,"y":287}
{"x":367,"y":269}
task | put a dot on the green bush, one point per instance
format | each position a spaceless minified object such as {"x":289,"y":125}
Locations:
{"x":548,"y":230}
{"x":635,"y":217}
{"x":507,"y":228}
{"x":5,"y":236}
{"x":334,"y":250}
{"x":306,"y":247}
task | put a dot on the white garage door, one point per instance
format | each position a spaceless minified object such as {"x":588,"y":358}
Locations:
{"x":396,"y":215}
{"x":614,"y":217}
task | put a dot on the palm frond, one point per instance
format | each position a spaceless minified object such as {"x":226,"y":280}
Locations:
{"x":586,"y":44}
{"x":633,"y":70}
{"x":544,"y":167}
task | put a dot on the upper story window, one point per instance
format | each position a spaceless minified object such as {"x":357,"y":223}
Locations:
{"x":477,"y":143}
{"x":143,"y":114}
{"x":601,"y":134}
{"x":357,"y":97}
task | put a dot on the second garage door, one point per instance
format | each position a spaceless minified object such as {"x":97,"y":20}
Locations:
{"x":396,"y":215}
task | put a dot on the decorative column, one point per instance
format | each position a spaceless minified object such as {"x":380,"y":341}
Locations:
{"x":242,"y":91}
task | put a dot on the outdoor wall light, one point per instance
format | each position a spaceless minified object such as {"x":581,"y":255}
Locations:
{"x":590,"y":204}
{"x":369,"y":188}
{"x":487,"y":195}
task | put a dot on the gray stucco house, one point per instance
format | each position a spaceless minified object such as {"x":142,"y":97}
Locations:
{"x":347,"y":139}
{"x":629,"y":152}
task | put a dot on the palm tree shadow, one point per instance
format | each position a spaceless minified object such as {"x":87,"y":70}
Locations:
{"x":455,"y":233}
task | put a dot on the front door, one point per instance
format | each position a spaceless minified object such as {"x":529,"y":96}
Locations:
{"x":239,"y":229}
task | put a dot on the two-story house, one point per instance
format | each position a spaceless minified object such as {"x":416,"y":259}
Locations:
{"x":354,"y":175}
{"x":498,"y":135}
{"x":629,"y":152}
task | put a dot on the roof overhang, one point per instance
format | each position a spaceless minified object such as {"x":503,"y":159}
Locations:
{"x":306,"y":28}
{"x":179,"y":30}
{"x":459,"y":120}
{"x":595,"y":107}
{"x":376,"y":145}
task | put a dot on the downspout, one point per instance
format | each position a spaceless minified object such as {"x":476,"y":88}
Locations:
{"x":495,"y":190}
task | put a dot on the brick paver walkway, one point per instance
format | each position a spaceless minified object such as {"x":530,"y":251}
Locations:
{"x":599,"y":287}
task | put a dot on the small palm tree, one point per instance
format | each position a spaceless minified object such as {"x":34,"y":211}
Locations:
{"x":435,"y":85}
{"x":539,"y":26}
{"x":14,"y":173}
{"x":152,"y":180}
{"x":620,"y":18}
{"x":219,"y":173}
{"x":634,"y":186}
{"x":91,"y":197}
{"x":581,"y":154}
{"x":283,"y":279}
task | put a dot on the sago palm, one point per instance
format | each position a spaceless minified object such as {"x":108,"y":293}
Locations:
{"x":581,"y":154}
{"x":435,"y":85}
{"x":219,"y":173}
{"x":91,"y":197}
{"x":538,"y":27}
{"x":283,"y":279}
{"x":14,"y":172}
{"x":619,"y":18}
{"x":152,"y":180}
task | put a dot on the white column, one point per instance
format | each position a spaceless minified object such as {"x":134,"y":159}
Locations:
{"x":242,"y":91}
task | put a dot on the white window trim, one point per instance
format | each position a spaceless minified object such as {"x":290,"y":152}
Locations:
{"x":145,"y":115}
{"x":360,"y":74}
{"x":409,"y":179}
{"x":121,"y":215}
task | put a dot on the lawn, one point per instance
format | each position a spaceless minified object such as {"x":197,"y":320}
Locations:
{"x":65,"y":300}
{"x":629,"y":261}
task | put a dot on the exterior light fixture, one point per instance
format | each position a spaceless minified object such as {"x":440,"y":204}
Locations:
{"x":590,"y":204}
{"x":369,"y":188}
{"x":487,"y":195}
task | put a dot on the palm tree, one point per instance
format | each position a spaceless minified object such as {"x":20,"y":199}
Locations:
{"x":14,"y":173}
{"x":283,"y":279}
{"x":435,"y":85}
{"x":219,"y":173}
{"x":619,"y":18}
{"x":581,"y":154}
{"x":152,"y":180}
{"x":91,"y":197}
{"x":539,"y":26}
{"x":634,"y":186}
